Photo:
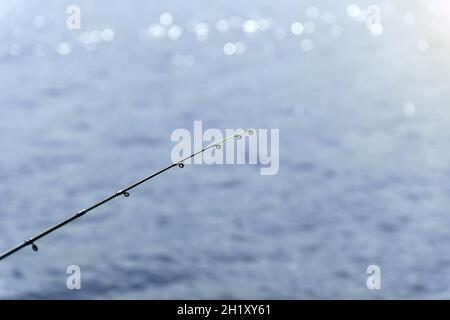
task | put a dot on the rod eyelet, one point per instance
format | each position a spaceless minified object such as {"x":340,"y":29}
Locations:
{"x":126,"y":194}
{"x":181,"y":165}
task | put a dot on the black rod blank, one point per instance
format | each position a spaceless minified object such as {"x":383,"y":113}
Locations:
{"x":124,"y":192}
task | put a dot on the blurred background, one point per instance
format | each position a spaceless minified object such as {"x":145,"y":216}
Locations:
{"x":364,"y":159}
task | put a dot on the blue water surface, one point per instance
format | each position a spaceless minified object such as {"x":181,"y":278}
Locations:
{"x":364,"y":157}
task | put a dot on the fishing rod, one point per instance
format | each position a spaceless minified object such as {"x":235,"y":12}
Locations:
{"x":125,"y":192}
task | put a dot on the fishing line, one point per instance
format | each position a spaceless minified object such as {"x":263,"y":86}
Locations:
{"x":125,"y":192}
